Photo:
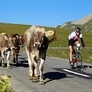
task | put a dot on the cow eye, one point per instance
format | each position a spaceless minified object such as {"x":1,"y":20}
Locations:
{"x":34,"y":35}
{"x":43,"y":36}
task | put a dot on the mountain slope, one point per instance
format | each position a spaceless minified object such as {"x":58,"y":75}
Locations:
{"x":83,"y":20}
{"x":84,"y":23}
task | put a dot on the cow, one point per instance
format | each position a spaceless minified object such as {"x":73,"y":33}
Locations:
{"x":36,"y":44}
{"x":18,"y":42}
{"x":6,"y":46}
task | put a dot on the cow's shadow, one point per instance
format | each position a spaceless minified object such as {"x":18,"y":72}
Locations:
{"x":21,"y":63}
{"x":50,"y":76}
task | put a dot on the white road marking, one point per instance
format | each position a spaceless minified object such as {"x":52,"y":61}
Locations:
{"x":76,"y":73}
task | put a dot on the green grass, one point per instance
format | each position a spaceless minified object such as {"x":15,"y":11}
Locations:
{"x":64,"y":53}
{"x":87,"y":55}
{"x":61,"y":40}
{"x":5,"y":85}
{"x":13,"y":28}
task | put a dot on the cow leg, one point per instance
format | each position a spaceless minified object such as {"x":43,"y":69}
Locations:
{"x":17,"y":54}
{"x":8,"y":59}
{"x":30,"y":64}
{"x":13,"y":56}
{"x":35,"y":77}
{"x":34,"y":68}
{"x":41,"y":68}
{"x":2,"y":60}
{"x":16,"y":58}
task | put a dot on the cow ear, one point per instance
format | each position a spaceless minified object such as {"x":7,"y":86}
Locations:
{"x":50,"y":34}
{"x":6,"y":38}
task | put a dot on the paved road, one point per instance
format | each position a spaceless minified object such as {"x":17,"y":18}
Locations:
{"x":58,"y":77}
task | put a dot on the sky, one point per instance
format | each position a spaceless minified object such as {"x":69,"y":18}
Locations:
{"x":43,"y":12}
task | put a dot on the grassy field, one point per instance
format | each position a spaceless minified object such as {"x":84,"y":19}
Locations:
{"x":61,"y":40}
{"x":64,"y":53}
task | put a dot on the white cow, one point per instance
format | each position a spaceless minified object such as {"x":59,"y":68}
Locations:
{"x":36,"y":44}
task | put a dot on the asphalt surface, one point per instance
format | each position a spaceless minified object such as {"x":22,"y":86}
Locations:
{"x":57,"y":73}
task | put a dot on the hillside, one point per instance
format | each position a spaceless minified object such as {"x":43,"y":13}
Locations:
{"x":83,"y":20}
{"x":84,"y":23}
{"x":13,"y":28}
{"x":16,"y":28}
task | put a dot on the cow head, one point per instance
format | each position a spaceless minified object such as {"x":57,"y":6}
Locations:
{"x":11,"y":43}
{"x":35,"y":36}
{"x":6,"y":41}
{"x":38,"y":36}
{"x":17,"y":40}
{"x":21,"y":41}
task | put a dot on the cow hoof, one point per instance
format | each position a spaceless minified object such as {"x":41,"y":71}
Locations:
{"x":2,"y":65}
{"x":30,"y":77}
{"x":35,"y":79}
{"x":42,"y":83}
{"x":8,"y":67}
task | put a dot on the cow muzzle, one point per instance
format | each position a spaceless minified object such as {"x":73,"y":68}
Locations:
{"x":37,"y":44}
{"x":12,"y":48}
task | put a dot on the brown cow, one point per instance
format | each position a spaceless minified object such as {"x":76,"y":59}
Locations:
{"x":6,"y":46}
{"x":36,"y":44}
{"x":18,"y":42}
